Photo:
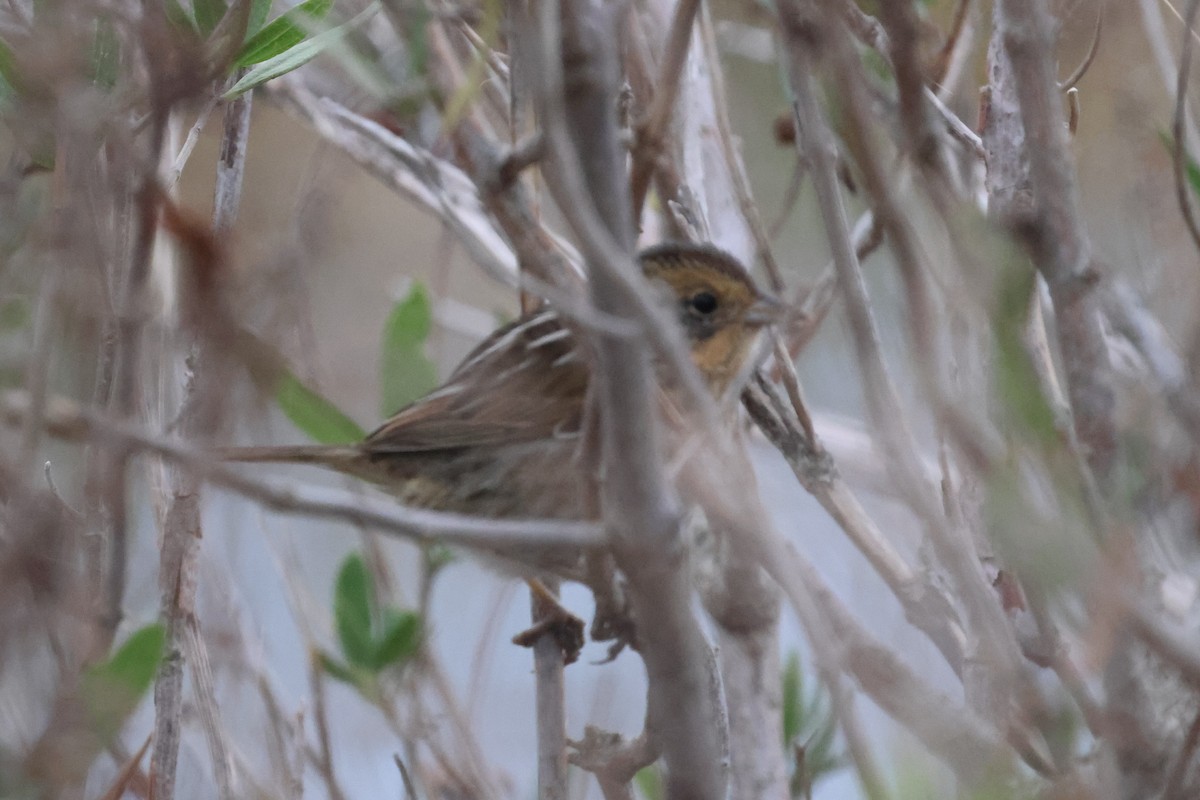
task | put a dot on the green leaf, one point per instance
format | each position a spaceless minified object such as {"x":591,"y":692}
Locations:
{"x":336,"y":669}
{"x":793,"y":710}
{"x":399,"y":640}
{"x":208,"y":13}
{"x":437,"y":557}
{"x":9,"y":80}
{"x":418,"y":40}
{"x":1016,"y":379}
{"x":406,"y":373}
{"x":1191,"y":168}
{"x":649,"y":783}
{"x":411,"y":319}
{"x":113,"y":688}
{"x":808,"y":730}
{"x":106,"y":54}
{"x":297,"y":56}
{"x":283,"y":33}
{"x":320,"y":419}
{"x":259,"y":9}
{"x":352,"y":612}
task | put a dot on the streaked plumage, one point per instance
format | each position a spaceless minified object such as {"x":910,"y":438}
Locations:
{"x":500,"y":437}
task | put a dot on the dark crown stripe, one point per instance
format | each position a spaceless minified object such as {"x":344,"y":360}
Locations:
{"x":671,"y":255}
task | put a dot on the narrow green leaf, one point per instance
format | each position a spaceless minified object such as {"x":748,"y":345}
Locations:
{"x":316,"y":416}
{"x":179,"y":16}
{"x":352,"y":612}
{"x":113,"y":688}
{"x":297,"y":56}
{"x":105,"y":54}
{"x":406,"y":373}
{"x":259,"y":9}
{"x":1016,"y":378}
{"x":418,"y":40}
{"x":336,"y":669}
{"x":411,"y":319}
{"x":793,"y":711}
{"x":208,"y":13}
{"x":283,"y":33}
{"x":9,"y":80}
{"x":399,"y":640}
{"x":1191,"y":168}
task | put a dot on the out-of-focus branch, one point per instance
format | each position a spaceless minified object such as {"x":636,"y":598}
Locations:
{"x":67,"y":421}
{"x":925,"y":605}
{"x":429,"y":181}
{"x":586,"y":175}
{"x":651,"y":130}
{"x":182,"y":532}
{"x":1031,"y":184}
{"x":993,"y":660}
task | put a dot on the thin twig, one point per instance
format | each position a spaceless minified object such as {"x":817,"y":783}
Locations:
{"x":182,"y":532}
{"x":323,"y":757}
{"x":1082,"y":69}
{"x":1053,"y":229}
{"x":651,"y":131}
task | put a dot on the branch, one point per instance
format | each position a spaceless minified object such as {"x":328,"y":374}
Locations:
{"x":1031,"y":183}
{"x":65,"y":420}
{"x":182,"y":531}
{"x":652,"y":130}
{"x":579,"y":112}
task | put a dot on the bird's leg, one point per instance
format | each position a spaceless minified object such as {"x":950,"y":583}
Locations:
{"x":554,"y":620}
{"x":612,"y":621}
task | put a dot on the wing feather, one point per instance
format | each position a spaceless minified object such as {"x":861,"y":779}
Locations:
{"x":523,"y":383}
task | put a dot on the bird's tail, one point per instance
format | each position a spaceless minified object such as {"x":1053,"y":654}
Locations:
{"x":335,"y":456}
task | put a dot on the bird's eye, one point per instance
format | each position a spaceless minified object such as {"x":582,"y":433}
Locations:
{"x":704,"y":302}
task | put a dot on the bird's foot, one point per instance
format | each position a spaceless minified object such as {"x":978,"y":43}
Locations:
{"x":555,"y":621}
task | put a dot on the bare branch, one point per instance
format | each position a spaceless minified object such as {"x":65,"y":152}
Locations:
{"x":67,"y":421}
{"x":1034,"y":145}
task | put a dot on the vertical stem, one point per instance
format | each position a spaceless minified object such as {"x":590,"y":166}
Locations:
{"x":551,"y":706}
{"x":182,"y":527}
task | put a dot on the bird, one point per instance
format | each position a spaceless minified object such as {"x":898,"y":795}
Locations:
{"x":500,"y":437}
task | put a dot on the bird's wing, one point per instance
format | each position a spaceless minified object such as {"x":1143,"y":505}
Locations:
{"x":527,"y":381}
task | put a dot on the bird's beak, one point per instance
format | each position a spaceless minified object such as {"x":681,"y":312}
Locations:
{"x":765,"y":311}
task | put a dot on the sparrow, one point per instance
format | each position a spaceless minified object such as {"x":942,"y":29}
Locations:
{"x":500,"y":437}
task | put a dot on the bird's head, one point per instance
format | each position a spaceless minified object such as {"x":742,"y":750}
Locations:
{"x":720,"y":308}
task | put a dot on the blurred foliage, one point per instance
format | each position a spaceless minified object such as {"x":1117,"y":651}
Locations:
{"x":1016,"y":379}
{"x":112,"y":689}
{"x":371,"y":638}
{"x":284,"y":53}
{"x":437,"y":557}
{"x":649,"y":783}
{"x":1190,"y":167}
{"x":283,"y":33}
{"x":808,"y":731}
{"x":405,"y":372}
{"x":313,"y":414}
